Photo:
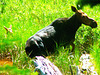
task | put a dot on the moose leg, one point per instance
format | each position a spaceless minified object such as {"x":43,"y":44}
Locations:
{"x":73,"y":46}
{"x":66,"y":46}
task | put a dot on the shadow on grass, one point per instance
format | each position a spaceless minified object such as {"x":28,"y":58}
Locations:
{"x":82,"y":3}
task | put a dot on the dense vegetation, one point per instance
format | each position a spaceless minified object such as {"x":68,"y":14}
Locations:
{"x":29,"y":16}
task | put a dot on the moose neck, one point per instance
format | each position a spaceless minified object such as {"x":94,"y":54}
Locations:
{"x":74,"y":23}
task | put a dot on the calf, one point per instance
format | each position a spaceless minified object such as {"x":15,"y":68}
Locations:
{"x":60,"y":32}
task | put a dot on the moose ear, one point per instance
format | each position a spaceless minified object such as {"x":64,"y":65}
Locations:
{"x":73,"y":9}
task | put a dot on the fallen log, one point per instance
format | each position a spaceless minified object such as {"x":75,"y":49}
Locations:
{"x":44,"y":67}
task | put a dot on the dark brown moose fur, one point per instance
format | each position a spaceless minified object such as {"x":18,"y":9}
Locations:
{"x":60,"y":32}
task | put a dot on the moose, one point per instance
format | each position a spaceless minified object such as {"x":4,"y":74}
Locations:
{"x":60,"y":32}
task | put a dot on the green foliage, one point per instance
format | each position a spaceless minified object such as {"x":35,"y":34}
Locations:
{"x":96,"y":55}
{"x":12,"y":70}
{"x":29,"y":16}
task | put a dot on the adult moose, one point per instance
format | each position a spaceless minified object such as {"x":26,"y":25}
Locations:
{"x":60,"y":32}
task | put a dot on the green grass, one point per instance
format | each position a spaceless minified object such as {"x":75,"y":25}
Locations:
{"x":96,"y":56}
{"x":64,"y":58}
{"x":13,"y":70}
{"x":29,"y":16}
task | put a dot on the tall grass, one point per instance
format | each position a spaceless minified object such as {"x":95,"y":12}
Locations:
{"x":29,"y":16}
{"x":96,"y":56}
{"x":64,"y":59}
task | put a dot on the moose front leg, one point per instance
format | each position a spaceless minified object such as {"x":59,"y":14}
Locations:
{"x":73,"y":46}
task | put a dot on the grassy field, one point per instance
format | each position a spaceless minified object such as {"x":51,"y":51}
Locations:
{"x":29,"y":16}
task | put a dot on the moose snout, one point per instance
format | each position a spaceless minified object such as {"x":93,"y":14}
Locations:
{"x":93,"y":24}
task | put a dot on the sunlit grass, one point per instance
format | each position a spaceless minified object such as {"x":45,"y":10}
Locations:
{"x":96,"y":56}
{"x":29,"y":16}
{"x":13,"y":70}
